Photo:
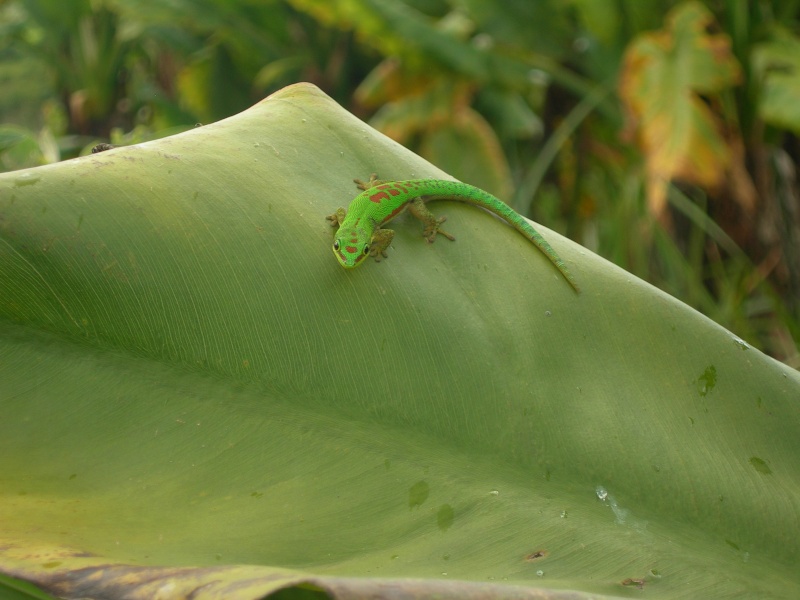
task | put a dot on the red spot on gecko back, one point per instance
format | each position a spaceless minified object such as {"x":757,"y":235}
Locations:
{"x":379,"y":197}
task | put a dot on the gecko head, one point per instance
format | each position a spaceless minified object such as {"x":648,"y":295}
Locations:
{"x":351,"y":246}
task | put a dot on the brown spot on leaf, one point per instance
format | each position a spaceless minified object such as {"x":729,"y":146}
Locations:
{"x":636,"y":582}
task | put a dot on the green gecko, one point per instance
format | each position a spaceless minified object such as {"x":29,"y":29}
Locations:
{"x":360,"y":233}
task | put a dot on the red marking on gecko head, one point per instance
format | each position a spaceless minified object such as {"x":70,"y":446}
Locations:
{"x":379,"y":197}
{"x":350,"y":247}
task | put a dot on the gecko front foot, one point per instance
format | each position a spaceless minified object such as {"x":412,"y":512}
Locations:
{"x":365,"y":185}
{"x":377,"y":254}
{"x":337,"y":217}
{"x":379,"y":243}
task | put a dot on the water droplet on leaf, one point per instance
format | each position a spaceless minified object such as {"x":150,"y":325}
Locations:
{"x":27,"y":179}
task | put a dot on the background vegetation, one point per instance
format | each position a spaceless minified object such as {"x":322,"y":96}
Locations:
{"x":659,"y":134}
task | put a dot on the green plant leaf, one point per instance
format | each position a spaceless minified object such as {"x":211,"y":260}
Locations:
{"x":14,"y":589}
{"x":397,"y":29}
{"x":196,"y":399}
{"x":777,"y":63}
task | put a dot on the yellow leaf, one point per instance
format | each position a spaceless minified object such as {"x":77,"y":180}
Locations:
{"x":663,"y":77}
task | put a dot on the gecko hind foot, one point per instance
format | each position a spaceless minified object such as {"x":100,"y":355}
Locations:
{"x":432,"y":229}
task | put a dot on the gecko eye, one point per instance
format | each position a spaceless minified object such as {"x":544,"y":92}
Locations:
{"x":336,"y":245}
{"x":366,"y":249}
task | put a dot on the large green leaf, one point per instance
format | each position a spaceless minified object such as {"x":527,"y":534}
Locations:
{"x":190,"y":384}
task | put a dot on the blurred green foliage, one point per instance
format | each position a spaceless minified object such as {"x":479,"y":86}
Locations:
{"x":660,"y":134}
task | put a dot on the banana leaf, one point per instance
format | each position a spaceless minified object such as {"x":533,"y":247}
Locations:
{"x":197,"y":400}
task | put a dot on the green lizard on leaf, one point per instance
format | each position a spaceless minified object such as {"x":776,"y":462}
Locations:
{"x":360,"y":233}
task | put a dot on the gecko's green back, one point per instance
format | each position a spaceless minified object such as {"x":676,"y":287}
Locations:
{"x":382,"y":201}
